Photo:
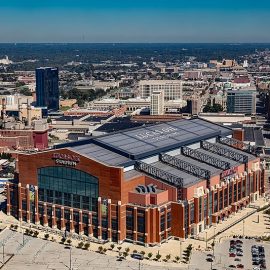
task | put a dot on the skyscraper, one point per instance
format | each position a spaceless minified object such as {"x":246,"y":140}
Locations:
{"x":47,"y":88}
{"x":157,"y":102}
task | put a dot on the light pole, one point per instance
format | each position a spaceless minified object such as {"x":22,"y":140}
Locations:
{"x":3,"y":253}
{"x":206,"y":240}
{"x":180,"y":249}
{"x":70,"y":265}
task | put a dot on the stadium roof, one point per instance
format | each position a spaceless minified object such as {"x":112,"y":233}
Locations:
{"x":143,"y":142}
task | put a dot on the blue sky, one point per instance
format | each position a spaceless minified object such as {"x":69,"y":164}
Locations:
{"x":134,"y":21}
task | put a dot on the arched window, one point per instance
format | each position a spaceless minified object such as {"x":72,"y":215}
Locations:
{"x":68,"y":186}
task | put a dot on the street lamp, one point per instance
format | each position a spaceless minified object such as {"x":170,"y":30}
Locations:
{"x":3,"y":245}
{"x":206,"y":240}
{"x":180,"y":249}
{"x":70,"y":263}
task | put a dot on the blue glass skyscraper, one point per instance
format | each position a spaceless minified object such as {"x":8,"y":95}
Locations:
{"x":47,"y":88}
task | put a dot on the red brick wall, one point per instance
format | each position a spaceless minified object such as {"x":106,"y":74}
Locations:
{"x":109,"y":177}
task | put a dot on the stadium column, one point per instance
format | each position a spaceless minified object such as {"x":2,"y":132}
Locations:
{"x":189,"y":218}
{"x":254,"y":183}
{"x":90,"y":226}
{"x":45,"y":216}
{"x":71,"y":221}
{"x":36,"y":206}
{"x":135,"y":224}
{"x":228,"y":193}
{"x":147,"y":226}
{"x":223,"y":192}
{"x":166,"y":223}
{"x":196,"y":210}
{"x":241,"y":187}
{"x":109,"y":219}
{"x":158,"y":225}
{"x":262,"y":179}
{"x":27,"y":193}
{"x":53,"y":217}
{"x":8,"y":199}
{"x":207,"y":208}
{"x":121,"y":222}
{"x":218,"y":198}
{"x":63,"y":224}
{"x":99,"y":218}
{"x":20,"y":201}
{"x":258,"y":172}
{"x":80,"y":222}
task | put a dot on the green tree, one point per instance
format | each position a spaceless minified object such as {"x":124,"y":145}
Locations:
{"x":158,"y":257}
{"x":69,"y":241}
{"x":149,"y":255}
{"x":100,"y":249}
{"x":86,"y":246}
{"x":80,"y":245}
{"x":112,"y":246}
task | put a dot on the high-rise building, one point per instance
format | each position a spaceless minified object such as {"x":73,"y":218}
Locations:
{"x":157,"y":103}
{"x":47,"y":88}
{"x":241,"y":101}
{"x":172,"y":88}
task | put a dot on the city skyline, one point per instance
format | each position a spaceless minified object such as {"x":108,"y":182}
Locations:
{"x":140,"y":21}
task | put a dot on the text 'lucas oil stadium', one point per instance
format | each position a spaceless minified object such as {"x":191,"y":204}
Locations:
{"x":143,"y":185}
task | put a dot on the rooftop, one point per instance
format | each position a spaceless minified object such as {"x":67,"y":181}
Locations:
{"x":151,"y":140}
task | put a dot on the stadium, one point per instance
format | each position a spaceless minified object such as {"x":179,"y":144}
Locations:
{"x":143,"y":185}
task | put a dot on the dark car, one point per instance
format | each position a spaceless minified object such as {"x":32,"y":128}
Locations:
{"x":232,"y":266}
{"x":209,"y":259}
{"x":232,"y":255}
{"x":240,"y":265}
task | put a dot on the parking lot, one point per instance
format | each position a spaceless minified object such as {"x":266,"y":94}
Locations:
{"x":223,"y":258}
{"x":39,"y":254}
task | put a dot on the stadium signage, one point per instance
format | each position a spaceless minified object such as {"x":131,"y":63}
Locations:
{"x":156,"y":133}
{"x":66,"y":159}
{"x":229,"y":172}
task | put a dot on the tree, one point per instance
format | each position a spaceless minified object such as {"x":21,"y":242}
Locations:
{"x":100,"y":249}
{"x":63,"y":240}
{"x":168,"y":257}
{"x":86,"y":246}
{"x":127,"y":250}
{"x":135,"y":251}
{"x":69,"y":241}
{"x":112,"y":246}
{"x":215,"y":108}
{"x":149,"y":255}
{"x":119,"y":248}
{"x":125,"y":254}
{"x":142,"y":252}
{"x":80,"y":245}
{"x":177,"y":258}
{"x":46,"y":236}
{"x":36,"y":233}
{"x":158,"y":257}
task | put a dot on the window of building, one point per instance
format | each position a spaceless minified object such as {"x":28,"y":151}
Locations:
{"x":162,"y":223}
{"x":169,"y":219}
{"x":141,"y":223}
{"x":68,"y":186}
